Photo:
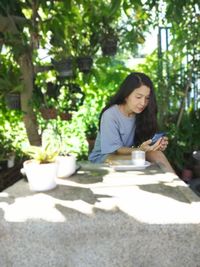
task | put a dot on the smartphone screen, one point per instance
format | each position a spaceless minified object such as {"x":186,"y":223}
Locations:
{"x":157,"y":136}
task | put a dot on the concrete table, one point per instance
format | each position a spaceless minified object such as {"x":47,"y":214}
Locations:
{"x":102,"y":218}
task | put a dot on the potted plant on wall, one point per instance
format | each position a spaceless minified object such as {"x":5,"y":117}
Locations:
{"x":84,"y":63}
{"x":109,"y":41}
{"x":10,"y":87}
{"x":45,"y":95}
{"x":47,"y":106}
{"x":48,"y":109}
{"x":61,"y":47}
{"x":64,"y":66}
{"x":62,"y":56}
{"x":41,"y":169}
{"x":7,"y":153}
{"x":91,"y":133}
{"x":70,"y":98}
{"x":84,"y":48}
{"x":12,"y":101}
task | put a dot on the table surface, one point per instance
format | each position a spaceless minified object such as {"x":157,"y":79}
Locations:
{"x":102,"y":217}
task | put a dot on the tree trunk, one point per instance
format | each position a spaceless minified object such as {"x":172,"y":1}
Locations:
{"x":30,"y":120}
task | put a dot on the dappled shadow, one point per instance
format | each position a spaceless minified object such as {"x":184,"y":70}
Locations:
{"x":72,"y":193}
{"x":165,"y":190}
{"x":93,"y":217}
{"x":7,"y":199}
{"x":88,"y":176}
{"x":93,"y":189}
{"x":194,"y":185}
{"x":110,"y":224}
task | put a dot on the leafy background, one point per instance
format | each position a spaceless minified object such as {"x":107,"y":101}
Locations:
{"x":77,"y":28}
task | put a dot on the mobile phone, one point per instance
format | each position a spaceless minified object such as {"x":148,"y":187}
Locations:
{"x":156,"y":137}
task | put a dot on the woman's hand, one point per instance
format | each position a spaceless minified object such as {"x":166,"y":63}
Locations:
{"x":163,"y":143}
{"x":160,"y":145}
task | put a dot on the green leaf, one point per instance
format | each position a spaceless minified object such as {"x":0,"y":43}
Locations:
{"x":43,"y":154}
{"x":115,"y":5}
{"x":68,"y":4}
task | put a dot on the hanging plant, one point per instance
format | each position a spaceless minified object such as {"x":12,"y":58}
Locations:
{"x":108,"y":41}
{"x":10,"y":85}
{"x":109,"y":45}
{"x":48,"y":113}
{"x":48,"y":107}
{"x":12,"y":101}
{"x":70,"y":98}
{"x":64,"y":67}
{"x":84,"y":63}
{"x":65,"y":116}
{"x":76,"y":96}
{"x":52,"y":90}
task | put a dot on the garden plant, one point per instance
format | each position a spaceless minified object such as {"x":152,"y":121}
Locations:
{"x":75,"y":29}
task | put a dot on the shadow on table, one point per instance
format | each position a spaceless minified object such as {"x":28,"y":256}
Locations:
{"x":73,"y":193}
{"x":165,"y":190}
{"x":88,"y":176}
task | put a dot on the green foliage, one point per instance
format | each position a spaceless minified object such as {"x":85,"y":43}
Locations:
{"x":43,"y":154}
{"x":9,"y":76}
{"x":12,"y":132}
{"x":97,"y":87}
{"x":183,"y":140}
{"x":171,"y":93}
{"x":77,"y":28}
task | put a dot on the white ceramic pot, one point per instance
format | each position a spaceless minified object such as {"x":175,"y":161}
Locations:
{"x":41,"y":177}
{"x":66,"y":166}
{"x":11,"y":161}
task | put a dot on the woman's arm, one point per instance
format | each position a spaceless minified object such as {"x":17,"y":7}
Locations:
{"x":159,"y":158}
{"x":152,"y":154}
{"x":144,"y":146}
{"x":124,"y":151}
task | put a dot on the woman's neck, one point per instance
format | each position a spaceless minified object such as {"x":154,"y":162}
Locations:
{"x":125,"y":110}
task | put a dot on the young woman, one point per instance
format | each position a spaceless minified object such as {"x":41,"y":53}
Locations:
{"x":128,"y":122}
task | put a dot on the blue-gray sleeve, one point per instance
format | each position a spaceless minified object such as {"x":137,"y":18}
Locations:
{"x":110,"y":134}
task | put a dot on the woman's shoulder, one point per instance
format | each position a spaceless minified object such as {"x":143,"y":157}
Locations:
{"x":111,"y":111}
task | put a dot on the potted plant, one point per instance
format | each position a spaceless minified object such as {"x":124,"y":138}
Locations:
{"x":41,"y":169}
{"x":109,"y":41}
{"x":64,"y":66}
{"x":65,"y":116}
{"x":3,"y":162}
{"x":83,"y":47}
{"x":48,"y":113}
{"x":48,"y":108}
{"x":70,"y":98}
{"x":66,"y":164}
{"x":45,"y":96}
{"x":12,"y":101}
{"x":91,"y":133}
{"x":84,"y":63}
{"x":7,"y":153}
{"x":52,"y":90}
{"x":10,"y":85}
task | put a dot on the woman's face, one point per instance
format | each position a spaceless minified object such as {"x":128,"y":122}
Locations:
{"x":138,"y":100}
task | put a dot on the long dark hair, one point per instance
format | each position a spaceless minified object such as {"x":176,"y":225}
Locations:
{"x":146,"y":122}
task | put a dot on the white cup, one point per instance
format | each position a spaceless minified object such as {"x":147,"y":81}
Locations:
{"x":138,"y":157}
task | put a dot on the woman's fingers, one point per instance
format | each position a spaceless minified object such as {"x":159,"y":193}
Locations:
{"x":145,"y":146}
{"x":157,"y":145}
{"x":161,"y":145}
